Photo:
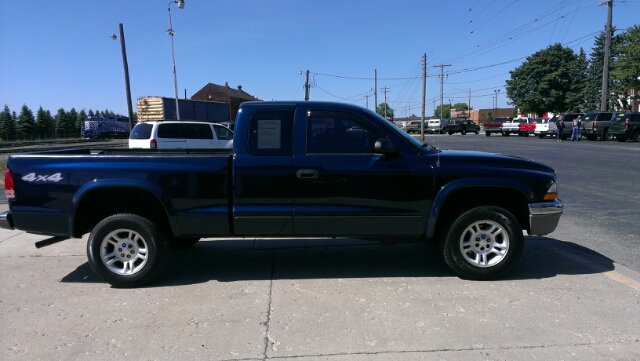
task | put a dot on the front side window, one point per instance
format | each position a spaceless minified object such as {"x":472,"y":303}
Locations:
{"x":339,"y":133}
{"x":223,"y":133}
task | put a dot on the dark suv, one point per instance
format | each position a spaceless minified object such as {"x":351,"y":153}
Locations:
{"x":596,"y":125}
{"x":462,"y":126}
{"x":625,"y":126}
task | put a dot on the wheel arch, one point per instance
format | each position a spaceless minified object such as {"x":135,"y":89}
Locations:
{"x":453,"y":199}
{"x":94,"y":202}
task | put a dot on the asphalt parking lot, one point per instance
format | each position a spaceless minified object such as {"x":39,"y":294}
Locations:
{"x":573,"y":296}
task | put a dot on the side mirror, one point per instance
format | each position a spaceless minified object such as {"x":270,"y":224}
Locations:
{"x":384,"y":146}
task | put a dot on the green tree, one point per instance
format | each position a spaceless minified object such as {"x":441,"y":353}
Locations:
{"x":593,"y":83}
{"x":384,"y":110}
{"x":627,"y":69}
{"x":542,"y":82}
{"x":7,"y":124}
{"x":72,"y":120}
{"x":61,"y":123}
{"x":26,"y":125}
{"x":576,"y":97}
{"x":44,"y":123}
{"x":80,"y":120}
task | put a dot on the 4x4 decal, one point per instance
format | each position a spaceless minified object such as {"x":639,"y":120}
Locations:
{"x":32,"y":177}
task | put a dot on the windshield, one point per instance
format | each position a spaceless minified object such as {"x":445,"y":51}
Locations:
{"x":408,"y":138}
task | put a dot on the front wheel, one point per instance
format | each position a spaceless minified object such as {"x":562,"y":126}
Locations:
{"x":483,"y":243}
{"x":488,"y":134}
{"x":127,"y":250}
{"x":463,"y":132}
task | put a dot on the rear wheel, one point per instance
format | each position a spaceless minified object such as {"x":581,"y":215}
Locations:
{"x":606,"y":135}
{"x":450,"y":133}
{"x":636,"y":136}
{"x":477,"y":131}
{"x":483,"y":243}
{"x":127,"y":250}
{"x":505,"y":134}
{"x":488,"y":134}
{"x":541,"y":136}
{"x":463,"y":131}
{"x":526,"y":134}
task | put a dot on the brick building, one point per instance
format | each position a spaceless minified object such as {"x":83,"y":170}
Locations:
{"x":224,"y":93}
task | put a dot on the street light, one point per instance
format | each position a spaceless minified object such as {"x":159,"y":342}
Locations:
{"x":173,"y":58}
{"x":126,"y":74}
{"x":497,"y":92}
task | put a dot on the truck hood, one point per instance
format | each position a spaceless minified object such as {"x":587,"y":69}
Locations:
{"x":472,"y":159}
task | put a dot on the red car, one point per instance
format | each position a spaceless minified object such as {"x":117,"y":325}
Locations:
{"x":527,"y":127}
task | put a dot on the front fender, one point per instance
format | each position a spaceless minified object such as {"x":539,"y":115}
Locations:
{"x":448,"y":189}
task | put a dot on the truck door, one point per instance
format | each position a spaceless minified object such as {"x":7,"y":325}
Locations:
{"x":262,"y":175}
{"x":341,"y":188}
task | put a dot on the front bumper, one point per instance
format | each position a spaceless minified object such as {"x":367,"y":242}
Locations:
{"x":544,"y":217}
{"x":6,"y":221}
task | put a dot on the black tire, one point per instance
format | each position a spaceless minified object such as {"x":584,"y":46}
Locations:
{"x":477,"y":131}
{"x":636,"y":137}
{"x":505,"y":134}
{"x":463,"y":132}
{"x":183,"y":243}
{"x":488,"y":134}
{"x":606,"y":136}
{"x":450,"y":133}
{"x":126,"y":250}
{"x":541,"y":136}
{"x":496,"y":249}
{"x":526,"y":134}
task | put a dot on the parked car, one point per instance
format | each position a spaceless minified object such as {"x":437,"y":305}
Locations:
{"x":625,"y":126}
{"x":495,"y":126}
{"x":542,"y":127}
{"x":413,"y":126}
{"x":527,"y":127}
{"x":510,"y":127}
{"x":434,"y":126}
{"x":180,"y":134}
{"x":462,"y":126}
{"x":568,"y":120}
{"x":596,"y":125}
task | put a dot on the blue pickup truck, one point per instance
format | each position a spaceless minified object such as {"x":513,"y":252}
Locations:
{"x":296,"y":170}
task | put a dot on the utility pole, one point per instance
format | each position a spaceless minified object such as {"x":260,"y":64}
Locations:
{"x":442,"y":76}
{"x":306,"y":87}
{"x":424,"y":92}
{"x":375,"y":89}
{"x":367,"y":99}
{"x":607,"y":52}
{"x":385,"y":90}
{"x":469,"y":106}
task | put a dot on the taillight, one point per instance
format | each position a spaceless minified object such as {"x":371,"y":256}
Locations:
{"x":153,"y":144}
{"x":626,"y":125}
{"x":595,"y":125}
{"x":9,"y":185}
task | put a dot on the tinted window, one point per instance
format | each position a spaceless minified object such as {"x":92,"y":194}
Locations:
{"x":223,"y":133}
{"x":198,"y":131}
{"x":339,"y":132}
{"x":271,"y":133}
{"x":171,"y":131}
{"x":141,"y":131}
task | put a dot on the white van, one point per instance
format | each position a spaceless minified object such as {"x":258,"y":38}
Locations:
{"x":434,"y":126}
{"x":176,"y":134}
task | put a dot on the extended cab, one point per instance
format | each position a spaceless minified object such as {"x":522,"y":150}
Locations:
{"x":297,"y":170}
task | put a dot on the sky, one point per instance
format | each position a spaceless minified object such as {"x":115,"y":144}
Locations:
{"x":59,"y":54}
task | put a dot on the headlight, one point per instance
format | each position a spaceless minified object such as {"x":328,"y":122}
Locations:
{"x":552,"y":192}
